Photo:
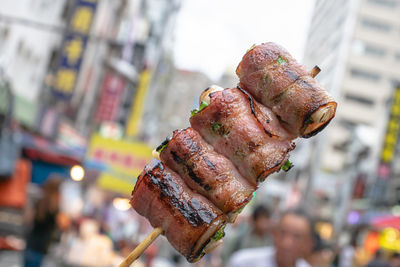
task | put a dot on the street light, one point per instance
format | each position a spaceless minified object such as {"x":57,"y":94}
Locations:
{"x":77,"y":173}
{"x":121,"y":204}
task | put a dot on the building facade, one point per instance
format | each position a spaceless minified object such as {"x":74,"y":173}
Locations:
{"x":30,"y":31}
{"x":357,"y":45}
{"x":172,"y":98}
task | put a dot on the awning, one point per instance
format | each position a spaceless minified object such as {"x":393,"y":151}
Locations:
{"x":48,"y":158}
{"x":388,"y":221}
{"x":41,"y":149}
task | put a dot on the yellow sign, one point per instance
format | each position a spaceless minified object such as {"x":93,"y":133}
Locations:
{"x":65,"y":80}
{"x":82,"y":19}
{"x":390,"y":239}
{"x":137,"y":108}
{"x":116,"y":183}
{"x":73,"y":50}
{"x":392,"y":131}
{"x":128,"y":158}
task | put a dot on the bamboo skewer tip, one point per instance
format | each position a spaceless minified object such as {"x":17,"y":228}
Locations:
{"x":314,"y":72}
{"x":135,"y":254}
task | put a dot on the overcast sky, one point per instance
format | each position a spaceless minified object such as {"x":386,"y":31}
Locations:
{"x":213,"y":35}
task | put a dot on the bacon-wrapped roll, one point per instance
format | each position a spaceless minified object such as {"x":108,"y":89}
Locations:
{"x":206,"y":171}
{"x":230,"y":123}
{"x":278,"y":81}
{"x":189,"y":221}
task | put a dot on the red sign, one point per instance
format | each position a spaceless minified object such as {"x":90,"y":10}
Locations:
{"x":110,"y":98}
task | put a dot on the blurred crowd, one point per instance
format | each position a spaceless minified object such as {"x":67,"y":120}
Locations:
{"x":262,"y":236}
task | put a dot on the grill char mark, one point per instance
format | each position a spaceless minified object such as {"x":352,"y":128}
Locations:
{"x":192,"y":210}
{"x":188,"y":167}
{"x":251,"y":102}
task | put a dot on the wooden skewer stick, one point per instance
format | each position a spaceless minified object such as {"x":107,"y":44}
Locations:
{"x":141,"y":247}
{"x":315,"y":71}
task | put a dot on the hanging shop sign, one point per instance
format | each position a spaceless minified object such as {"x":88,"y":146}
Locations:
{"x":73,"y":47}
{"x":392,"y":130}
{"x":121,"y":162}
{"x":384,"y":170}
{"x":110,"y":99}
{"x":120,"y":155}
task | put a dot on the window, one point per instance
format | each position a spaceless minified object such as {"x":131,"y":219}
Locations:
{"x":376,"y":25}
{"x":359,"y":99}
{"x":385,"y":3}
{"x":347,"y":123}
{"x":374,"y":50}
{"x":364,"y":74}
{"x":360,"y":47}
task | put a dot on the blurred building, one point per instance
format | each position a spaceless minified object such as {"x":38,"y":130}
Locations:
{"x":228,"y":79}
{"x":357,"y":45}
{"x":80,"y":62}
{"x":29,"y":36}
{"x":171,"y":101}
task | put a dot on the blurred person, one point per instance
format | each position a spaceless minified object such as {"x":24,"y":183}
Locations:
{"x":293,"y":241}
{"x":44,"y":223}
{"x":257,"y":233}
{"x":348,"y":252}
{"x":394,"y":260}
{"x":378,"y":260}
{"x":91,"y":248}
{"x":322,"y":255}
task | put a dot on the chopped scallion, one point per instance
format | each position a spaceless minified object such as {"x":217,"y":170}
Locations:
{"x":219,"y":234}
{"x":287,"y":166}
{"x":254,"y":45}
{"x":203,"y":104}
{"x":216,"y":126}
{"x":280,"y":60}
{"x":163,"y":145}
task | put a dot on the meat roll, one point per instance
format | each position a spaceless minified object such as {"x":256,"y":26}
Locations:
{"x":189,"y":221}
{"x":207,"y":172}
{"x":230,"y":123}
{"x":278,"y":81}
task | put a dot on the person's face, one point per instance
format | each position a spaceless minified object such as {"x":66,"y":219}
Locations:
{"x":292,"y":239}
{"x":262,"y":225}
{"x":395,"y":262}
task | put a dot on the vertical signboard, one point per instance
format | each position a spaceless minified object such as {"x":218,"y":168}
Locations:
{"x":384,"y":171}
{"x":392,"y":130}
{"x":73,"y":47}
{"x":133,"y":123}
{"x":112,"y":92}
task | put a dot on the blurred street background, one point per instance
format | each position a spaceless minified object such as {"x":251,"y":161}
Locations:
{"x":89,"y":87}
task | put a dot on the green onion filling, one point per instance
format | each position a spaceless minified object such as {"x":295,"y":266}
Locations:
{"x":219,"y":234}
{"x":287,"y":166}
{"x":241,"y":209}
{"x":280,"y":60}
{"x":254,"y":45}
{"x":163,"y":145}
{"x":203,"y":104}
{"x":194,"y":112}
{"x":216,"y":126}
